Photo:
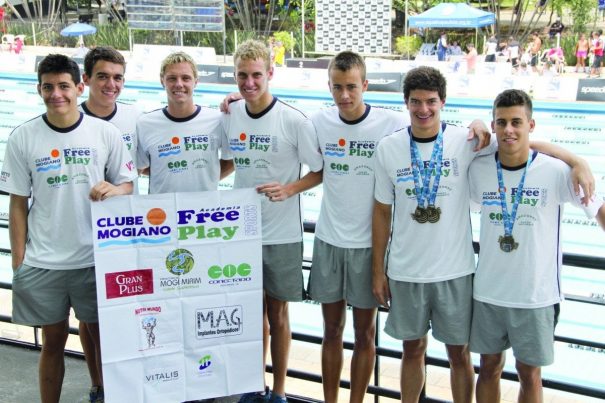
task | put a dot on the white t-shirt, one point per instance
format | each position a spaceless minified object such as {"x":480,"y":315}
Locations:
{"x":58,"y":167}
{"x":271,"y":146}
{"x":124,"y":117}
{"x":429,"y":252}
{"x":345,"y":218}
{"x":182,"y":153}
{"x":529,"y":276}
{"x":492,"y":46}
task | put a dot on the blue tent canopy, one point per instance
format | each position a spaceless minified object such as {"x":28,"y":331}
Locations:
{"x":452,"y":15}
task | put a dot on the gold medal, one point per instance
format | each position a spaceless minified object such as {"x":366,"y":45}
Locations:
{"x":420,"y":215}
{"x":507,"y":243}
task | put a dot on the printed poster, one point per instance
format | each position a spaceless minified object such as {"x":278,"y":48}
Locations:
{"x":179,"y":285}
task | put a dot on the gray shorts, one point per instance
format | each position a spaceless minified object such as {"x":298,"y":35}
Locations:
{"x":282,"y":271}
{"x":530,"y":332}
{"x":43,"y":297}
{"x":446,"y":306}
{"x":341,"y":274}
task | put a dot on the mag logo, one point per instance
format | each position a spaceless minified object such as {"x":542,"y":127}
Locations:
{"x":128,"y":283}
{"x":219,"y":321}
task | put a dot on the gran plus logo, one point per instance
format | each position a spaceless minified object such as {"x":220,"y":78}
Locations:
{"x":219,"y":321}
{"x":128,"y":283}
{"x":229,"y":274}
{"x":128,"y":230}
{"x":51,"y":162}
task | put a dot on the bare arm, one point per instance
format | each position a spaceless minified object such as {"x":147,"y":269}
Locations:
{"x":581,"y":174}
{"x":17,"y":228}
{"x":275,"y":191}
{"x":104,"y":190}
{"x":601,"y":216}
{"x":381,"y":228}
{"x":227,"y":167}
{"x":478,"y":130}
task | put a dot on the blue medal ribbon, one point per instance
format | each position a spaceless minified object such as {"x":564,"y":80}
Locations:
{"x":423,"y":193}
{"x":509,"y":219}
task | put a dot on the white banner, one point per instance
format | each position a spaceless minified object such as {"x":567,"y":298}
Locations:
{"x":179,"y":285}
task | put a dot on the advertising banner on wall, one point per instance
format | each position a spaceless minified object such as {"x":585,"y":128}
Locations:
{"x":363,"y":26}
{"x":591,"y":90}
{"x":179,"y":285}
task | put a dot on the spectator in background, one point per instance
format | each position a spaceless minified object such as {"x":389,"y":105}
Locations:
{"x":582,"y":47}
{"x":556,"y":58}
{"x":279,"y":52}
{"x":513,"y":52}
{"x":597,"y":50}
{"x":490,"y":49}
{"x":524,"y":70}
{"x":455,"y":49}
{"x":534,"y":51}
{"x":556,"y":28}
{"x":18,"y":46}
{"x":442,"y":47}
{"x":471,"y":58}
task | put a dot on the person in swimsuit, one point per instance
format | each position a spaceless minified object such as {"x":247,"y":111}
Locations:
{"x":581,"y":53}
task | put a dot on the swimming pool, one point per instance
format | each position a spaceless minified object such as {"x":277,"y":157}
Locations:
{"x":579,"y":127}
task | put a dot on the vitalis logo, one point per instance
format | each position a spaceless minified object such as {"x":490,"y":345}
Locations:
{"x":162,"y":375}
{"x":218,"y":322}
{"x":129,"y":283}
{"x":133,"y":228}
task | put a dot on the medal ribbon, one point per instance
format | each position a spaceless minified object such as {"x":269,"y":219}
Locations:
{"x":423,"y":193}
{"x":509,"y":219}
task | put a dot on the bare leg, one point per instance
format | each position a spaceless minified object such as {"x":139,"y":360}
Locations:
{"x":412,"y":369}
{"x":530,"y":378}
{"x":91,"y":354}
{"x":51,"y":367}
{"x":279,"y":326}
{"x":334,"y":316}
{"x":364,"y":353}
{"x":462,"y":376}
{"x":488,"y":383}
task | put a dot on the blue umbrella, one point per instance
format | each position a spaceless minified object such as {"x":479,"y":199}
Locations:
{"x":78,"y":29}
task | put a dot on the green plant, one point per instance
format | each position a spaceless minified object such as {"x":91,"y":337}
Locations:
{"x":285,"y":38}
{"x":407,"y":45}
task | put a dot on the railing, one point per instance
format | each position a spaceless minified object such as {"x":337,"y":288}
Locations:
{"x":375,"y":388}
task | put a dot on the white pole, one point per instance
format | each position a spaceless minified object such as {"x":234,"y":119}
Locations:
{"x":302,"y":29}
{"x":407,"y":33}
{"x":235,"y":38}
{"x":292,"y":49}
{"x":34,"y":33}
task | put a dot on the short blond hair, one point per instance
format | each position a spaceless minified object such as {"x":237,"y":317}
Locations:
{"x":253,"y":50}
{"x":175,"y":58}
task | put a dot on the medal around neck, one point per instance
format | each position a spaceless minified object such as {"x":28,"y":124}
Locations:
{"x":507,"y":243}
{"x":426,"y":194}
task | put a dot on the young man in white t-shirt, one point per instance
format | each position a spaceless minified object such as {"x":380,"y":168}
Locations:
{"x":62,"y":159}
{"x":104,"y":69}
{"x":425,"y":220}
{"x":517,"y":286}
{"x":178,"y":145}
{"x":269,"y":141}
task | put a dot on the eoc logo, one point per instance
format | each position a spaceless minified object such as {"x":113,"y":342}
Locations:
{"x":128,"y":283}
{"x":168,"y":149}
{"x":52,"y":162}
{"x":229,"y":274}
{"x":179,"y":262}
{"x":219,"y":322}
{"x":127,"y":230}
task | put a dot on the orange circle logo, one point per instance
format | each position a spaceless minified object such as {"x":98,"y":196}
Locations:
{"x":175,"y":140}
{"x":242,"y":137}
{"x":342,"y":142}
{"x":156,"y":216}
{"x":54,"y":153}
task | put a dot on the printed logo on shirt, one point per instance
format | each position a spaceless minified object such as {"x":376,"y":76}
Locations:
{"x":364,"y":170}
{"x":129,"y":230}
{"x":169,"y":149}
{"x":127,"y":139}
{"x":51,"y":162}
{"x":448,"y":168}
{"x":238,"y":143}
{"x":530,"y":197}
{"x":363,"y":148}
{"x":4,"y":176}
{"x":79,"y":156}
{"x":336,"y":149}
{"x":56,"y":181}
{"x":128,"y":283}
{"x":200,"y":142}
